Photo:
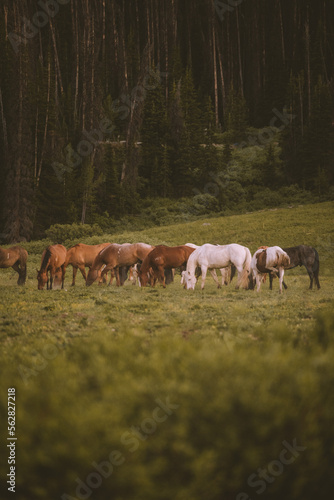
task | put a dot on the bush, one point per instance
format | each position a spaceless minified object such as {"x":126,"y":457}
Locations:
{"x":189,"y":419}
{"x":59,"y":233}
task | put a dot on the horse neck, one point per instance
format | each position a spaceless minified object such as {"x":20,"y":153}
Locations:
{"x":70,"y":254}
{"x":144,"y":268}
{"x":192,"y":263}
{"x":98,"y":262}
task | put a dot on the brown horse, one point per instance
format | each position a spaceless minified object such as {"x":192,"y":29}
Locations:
{"x":15,"y":257}
{"x":53,"y":258}
{"x":114,"y":256}
{"x":80,"y":256}
{"x":160,"y":258}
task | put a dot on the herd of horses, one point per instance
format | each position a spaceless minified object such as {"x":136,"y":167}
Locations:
{"x":148,"y":264}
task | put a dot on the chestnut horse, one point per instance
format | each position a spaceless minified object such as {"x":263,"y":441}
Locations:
{"x":160,"y":258}
{"x":115,"y":256}
{"x":53,"y":258}
{"x":15,"y":257}
{"x":80,"y":256}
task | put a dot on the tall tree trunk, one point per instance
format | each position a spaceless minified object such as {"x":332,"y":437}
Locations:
{"x":308,"y":69}
{"x":214,"y":58}
{"x":239,"y":54}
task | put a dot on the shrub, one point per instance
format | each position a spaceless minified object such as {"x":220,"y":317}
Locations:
{"x":59,"y":233}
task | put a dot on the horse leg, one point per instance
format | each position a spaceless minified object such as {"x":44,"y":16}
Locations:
{"x":75,"y":270}
{"x":280,"y":275}
{"x":258,"y":279}
{"x":160,"y":274}
{"x":204,"y":270}
{"x":16,"y":268}
{"x":316,"y":277}
{"x":215,"y":277}
{"x":83,"y":272}
{"x":239,"y":270}
{"x":118,"y":281}
{"x":310,"y":273}
{"x":63,"y":271}
{"x":112,"y":276}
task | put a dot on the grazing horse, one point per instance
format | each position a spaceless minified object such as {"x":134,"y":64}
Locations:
{"x":53,"y":258}
{"x":303,"y":255}
{"x":80,"y":256}
{"x":271,"y":259}
{"x":15,"y":257}
{"x":115,"y":256}
{"x":227,"y":273}
{"x":216,"y":257}
{"x":160,"y":259}
{"x":133,"y":274}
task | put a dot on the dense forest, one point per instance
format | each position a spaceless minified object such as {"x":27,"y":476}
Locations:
{"x":107,"y":106}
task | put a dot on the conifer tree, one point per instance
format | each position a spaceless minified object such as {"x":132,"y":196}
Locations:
{"x":153,"y":138}
{"x":236,"y":116}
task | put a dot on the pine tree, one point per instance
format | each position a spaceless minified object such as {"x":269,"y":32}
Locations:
{"x":153,"y":138}
{"x":236,"y":117}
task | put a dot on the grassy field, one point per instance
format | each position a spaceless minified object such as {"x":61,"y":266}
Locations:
{"x":245,"y":371}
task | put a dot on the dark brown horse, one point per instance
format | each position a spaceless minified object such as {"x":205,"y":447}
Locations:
{"x":15,"y":257}
{"x":115,"y":256}
{"x":53,"y":258}
{"x":160,"y":258}
{"x":302,"y":255}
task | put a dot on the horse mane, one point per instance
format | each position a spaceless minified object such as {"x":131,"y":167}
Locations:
{"x":46,"y":258}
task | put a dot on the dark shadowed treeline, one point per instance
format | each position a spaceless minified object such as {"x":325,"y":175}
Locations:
{"x":106,"y":102}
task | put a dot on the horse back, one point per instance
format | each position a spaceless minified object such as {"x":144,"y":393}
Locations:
{"x":170,"y":257}
{"x":57,"y":255}
{"x":82,"y":254}
{"x":302,"y":255}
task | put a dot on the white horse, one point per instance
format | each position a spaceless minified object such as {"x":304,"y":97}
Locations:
{"x":226,"y":273}
{"x":271,"y":259}
{"x":216,"y":257}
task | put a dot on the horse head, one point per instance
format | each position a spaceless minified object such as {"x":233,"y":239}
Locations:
{"x":42,"y":278}
{"x":142,"y":278}
{"x":92,"y":276}
{"x":189,"y":281}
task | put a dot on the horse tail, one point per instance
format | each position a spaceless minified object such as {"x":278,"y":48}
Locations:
{"x":244,"y":277}
{"x":316,"y":263}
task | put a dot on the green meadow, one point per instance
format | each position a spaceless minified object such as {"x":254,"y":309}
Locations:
{"x":128,"y":393}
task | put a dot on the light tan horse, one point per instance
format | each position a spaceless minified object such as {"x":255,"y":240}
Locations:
{"x":53,"y":258}
{"x":80,"y":256}
{"x":115,"y":256}
{"x":15,"y":257}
